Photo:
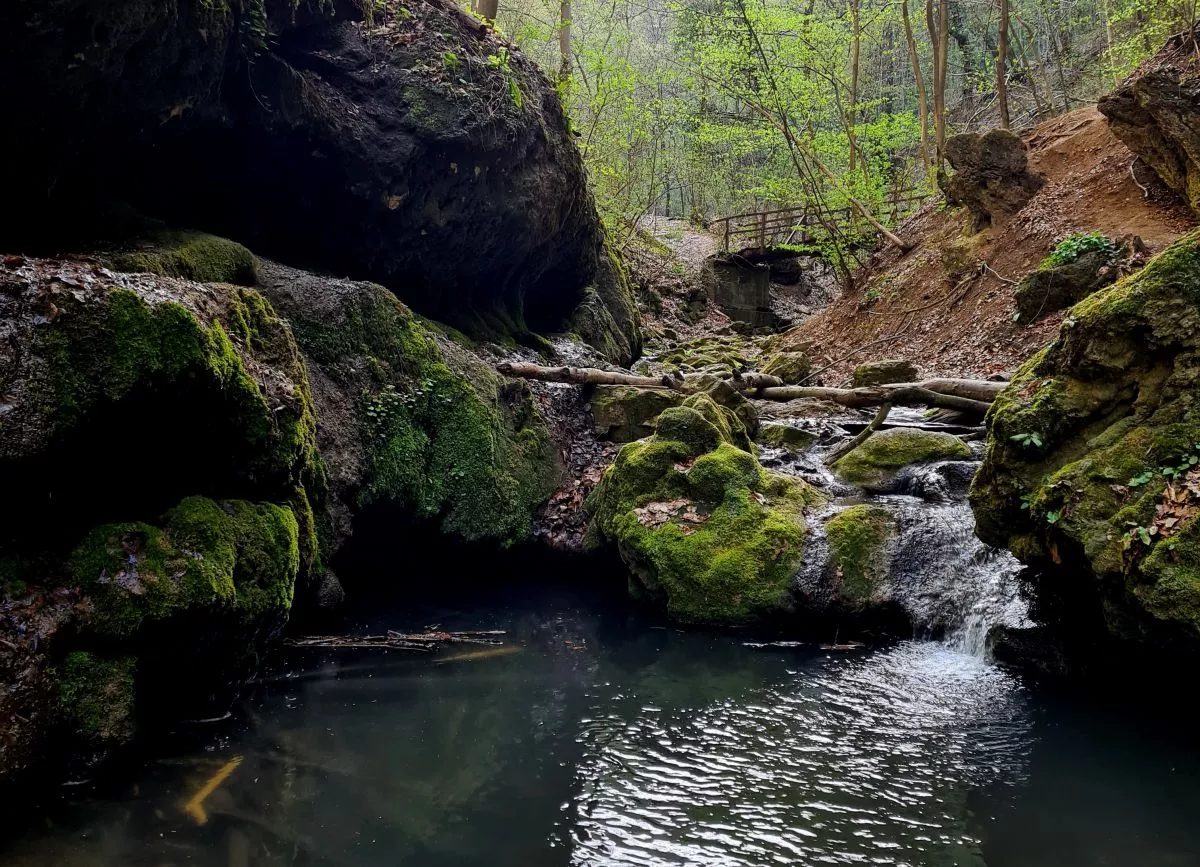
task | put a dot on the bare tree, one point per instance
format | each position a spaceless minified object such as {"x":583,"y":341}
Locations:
{"x":488,"y":9}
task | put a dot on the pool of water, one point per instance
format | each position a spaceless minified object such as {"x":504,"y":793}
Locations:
{"x":593,"y":737}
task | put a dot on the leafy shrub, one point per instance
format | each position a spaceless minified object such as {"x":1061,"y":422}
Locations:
{"x":1072,"y":247}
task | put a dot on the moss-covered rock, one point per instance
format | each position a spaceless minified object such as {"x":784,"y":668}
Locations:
{"x":1077,"y":447}
{"x":96,"y":698}
{"x":209,"y":560}
{"x":608,"y":318}
{"x":858,"y":538}
{"x":149,"y":389}
{"x":874,"y":464}
{"x":787,"y":436}
{"x":188,"y":255}
{"x":624,"y":413}
{"x":792,"y":367}
{"x":704,"y":530}
{"x":413,"y":420}
{"x":882,"y":372}
{"x":1056,"y":285}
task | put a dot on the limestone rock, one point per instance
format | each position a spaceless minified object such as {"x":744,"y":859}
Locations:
{"x":791,"y":367}
{"x":883,"y":372}
{"x":412,"y":422}
{"x":706,"y":533}
{"x":1156,"y":113}
{"x":876,"y":463}
{"x":330,"y":143}
{"x":1054,"y":288}
{"x":992,"y":176}
{"x":624,"y":413}
{"x":1073,"y":477}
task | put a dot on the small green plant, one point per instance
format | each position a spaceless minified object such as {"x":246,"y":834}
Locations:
{"x":1185,"y":464}
{"x":1027,"y":440}
{"x":873,"y":294}
{"x":450,"y":61}
{"x":499,"y":61}
{"x":382,"y":408}
{"x":1072,"y":247}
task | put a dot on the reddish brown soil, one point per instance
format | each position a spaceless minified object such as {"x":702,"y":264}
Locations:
{"x":953,"y":320}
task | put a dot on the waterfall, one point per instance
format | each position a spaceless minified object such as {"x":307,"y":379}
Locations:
{"x":950,"y":584}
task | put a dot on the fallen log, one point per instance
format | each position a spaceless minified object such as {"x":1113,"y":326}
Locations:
{"x":902,"y":394}
{"x":967,"y":395}
{"x":584,"y":375}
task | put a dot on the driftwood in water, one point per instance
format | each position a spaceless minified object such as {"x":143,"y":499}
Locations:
{"x":845,"y":449}
{"x":966,"y":395}
{"x":431,"y":640}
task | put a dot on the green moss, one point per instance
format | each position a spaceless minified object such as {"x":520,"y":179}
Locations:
{"x":1114,"y":399}
{"x":858,"y":538}
{"x":208,"y":558}
{"x":786,"y":436}
{"x":189,"y":256}
{"x":882,"y":372}
{"x":792,"y":367}
{"x":873,"y":464}
{"x":96,"y":697}
{"x":106,"y":350}
{"x":459,"y":446}
{"x":623,"y":413}
{"x":703,"y":528}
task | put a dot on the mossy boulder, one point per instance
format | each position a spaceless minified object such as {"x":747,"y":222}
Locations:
{"x":259,"y":120}
{"x":875,"y":464}
{"x":1056,"y":286}
{"x":858,"y":539}
{"x":607,"y":319}
{"x":124,"y":397}
{"x":624,"y":413}
{"x":792,"y":367}
{"x":1073,"y":477}
{"x":706,"y":532}
{"x":146,"y":389}
{"x":188,"y":255}
{"x":413,"y":421}
{"x":96,"y":698}
{"x":882,"y":372}
{"x":208,"y":562}
{"x":786,"y":436}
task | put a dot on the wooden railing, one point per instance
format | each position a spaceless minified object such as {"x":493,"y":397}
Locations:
{"x":769,"y":228}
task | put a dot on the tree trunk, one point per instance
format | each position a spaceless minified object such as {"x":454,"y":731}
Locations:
{"x":855,"y":53}
{"x":939,"y":37}
{"x":564,"y":40}
{"x":1002,"y":65}
{"x":488,"y":9}
{"x":919,"y":78}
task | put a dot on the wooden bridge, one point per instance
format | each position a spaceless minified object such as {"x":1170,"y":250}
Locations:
{"x":770,"y":228}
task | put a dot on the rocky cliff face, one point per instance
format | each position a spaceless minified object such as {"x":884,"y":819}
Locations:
{"x":1091,"y":475}
{"x":1156,"y":113}
{"x":409,"y":146}
{"x":188,"y":434}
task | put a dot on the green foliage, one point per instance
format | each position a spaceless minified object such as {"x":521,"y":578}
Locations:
{"x":1027,"y":439}
{"x":1072,"y":247}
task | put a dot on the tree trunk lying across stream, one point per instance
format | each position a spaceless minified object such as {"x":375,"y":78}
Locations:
{"x":967,"y":395}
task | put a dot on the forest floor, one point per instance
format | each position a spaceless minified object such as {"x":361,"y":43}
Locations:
{"x":938,"y":307}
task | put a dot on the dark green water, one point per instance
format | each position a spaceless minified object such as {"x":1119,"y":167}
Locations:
{"x":598,"y":739}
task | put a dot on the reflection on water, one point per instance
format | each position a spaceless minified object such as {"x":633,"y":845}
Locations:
{"x":605,"y":741}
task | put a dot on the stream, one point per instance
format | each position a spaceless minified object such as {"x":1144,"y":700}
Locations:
{"x":594,"y":736}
